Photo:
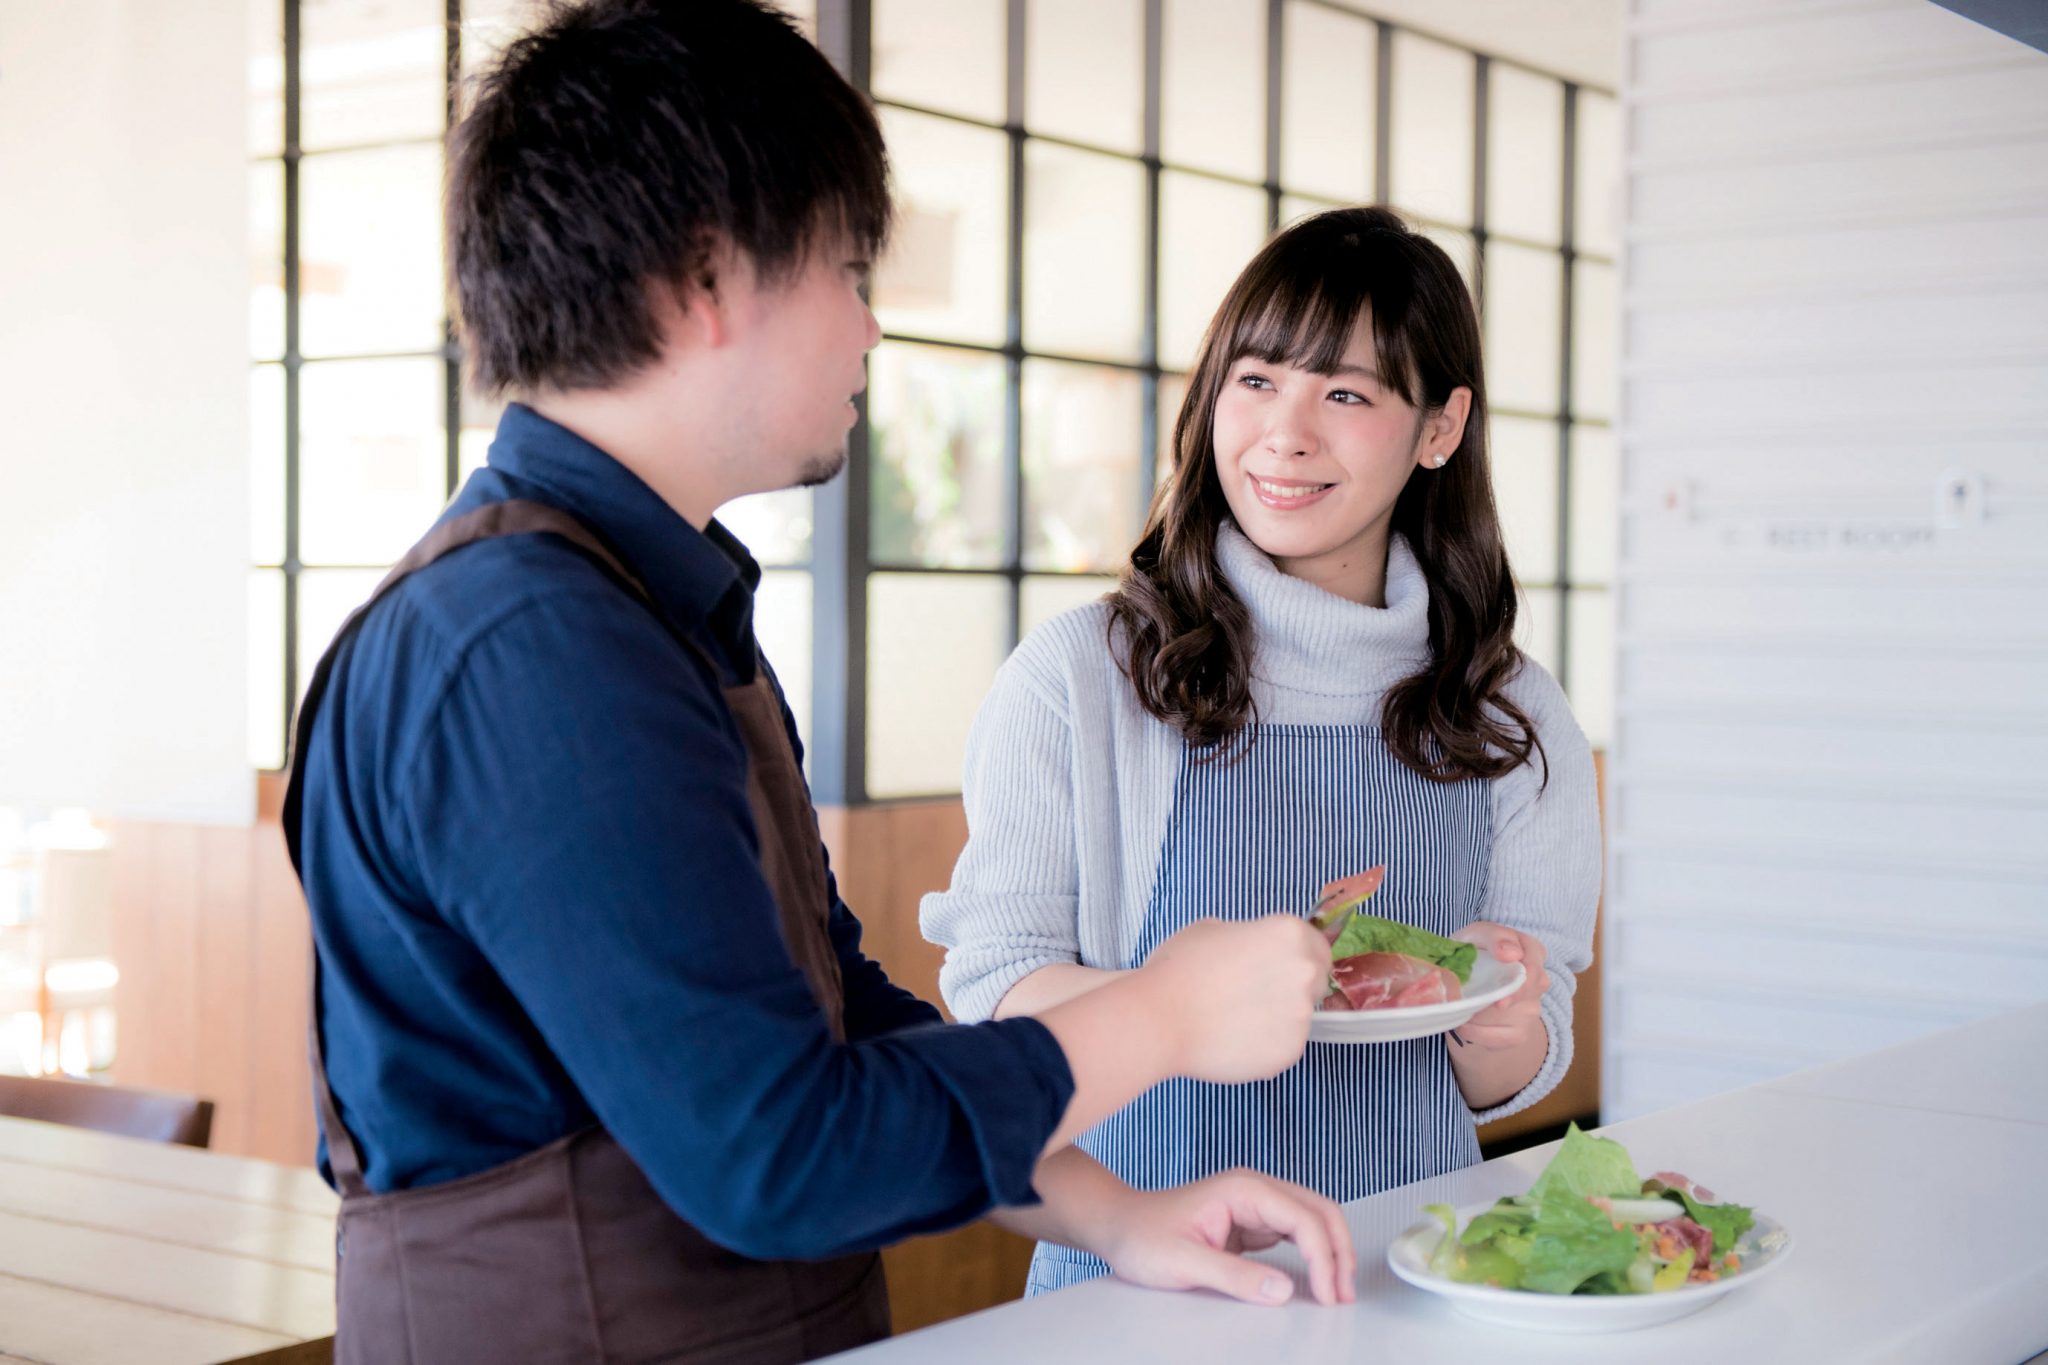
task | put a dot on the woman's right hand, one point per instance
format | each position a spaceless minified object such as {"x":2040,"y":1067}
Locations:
{"x":1238,"y":995}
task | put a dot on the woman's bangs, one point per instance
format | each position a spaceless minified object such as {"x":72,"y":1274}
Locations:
{"x":1306,"y":319}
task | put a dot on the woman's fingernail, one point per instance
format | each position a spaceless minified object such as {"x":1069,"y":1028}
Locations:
{"x":1275,"y":1288}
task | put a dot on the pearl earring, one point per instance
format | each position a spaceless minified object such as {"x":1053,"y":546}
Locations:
{"x":1440,"y":458}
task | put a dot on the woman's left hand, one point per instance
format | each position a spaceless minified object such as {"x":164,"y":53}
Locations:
{"x":1512,"y":1022}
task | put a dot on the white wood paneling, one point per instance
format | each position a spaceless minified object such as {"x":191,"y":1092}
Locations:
{"x":1828,"y":792}
{"x":124,"y":374}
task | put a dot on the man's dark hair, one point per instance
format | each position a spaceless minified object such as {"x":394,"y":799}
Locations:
{"x":610,"y":151}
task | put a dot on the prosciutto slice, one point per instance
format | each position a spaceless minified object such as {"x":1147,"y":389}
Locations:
{"x":1384,"y":981}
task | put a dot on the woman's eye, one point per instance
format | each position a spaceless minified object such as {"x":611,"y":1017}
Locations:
{"x":1254,"y":381}
{"x":1347,"y":396}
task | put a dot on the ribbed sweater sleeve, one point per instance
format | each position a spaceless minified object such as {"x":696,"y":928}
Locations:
{"x":1014,"y":905}
{"x":1544,"y":878}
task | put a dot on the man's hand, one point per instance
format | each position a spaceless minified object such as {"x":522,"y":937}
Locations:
{"x":1238,"y":996}
{"x":1194,"y":1237}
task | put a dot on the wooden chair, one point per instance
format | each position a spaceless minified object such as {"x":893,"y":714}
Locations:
{"x":158,"y":1115}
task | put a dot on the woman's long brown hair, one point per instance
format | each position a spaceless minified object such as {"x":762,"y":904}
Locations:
{"x":1185,"y":639}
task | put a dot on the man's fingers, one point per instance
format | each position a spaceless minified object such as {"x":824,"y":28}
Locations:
{"x":1297,"y":1216}
{"x":1347,"y":1254}
{"x":1203,"y":1267}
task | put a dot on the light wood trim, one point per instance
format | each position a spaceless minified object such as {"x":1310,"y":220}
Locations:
{"x":278,"y":1236}
{"x":293,"y":1303}
{"x":50,"y":1324}
{"x":131,"y":1160}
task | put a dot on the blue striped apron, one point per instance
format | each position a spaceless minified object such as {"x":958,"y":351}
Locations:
{"x":1305,"y":805}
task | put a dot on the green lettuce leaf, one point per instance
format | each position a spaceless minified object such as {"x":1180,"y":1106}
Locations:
{"x":1726,"y":1221}
{"x":1585,"y":1166}
{"x":1572,"y":1242}
{"x":1505,"y":1216}
{"x":1496,"y":1265}
{"x":1370,"y":934}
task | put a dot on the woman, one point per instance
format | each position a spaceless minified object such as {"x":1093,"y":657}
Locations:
{"x":1307,"y":669}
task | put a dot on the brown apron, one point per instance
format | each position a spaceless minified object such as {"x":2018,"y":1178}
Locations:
{"x":567,"y":1254}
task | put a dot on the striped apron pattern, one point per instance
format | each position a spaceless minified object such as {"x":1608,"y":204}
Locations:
{"x":1304,"y":805}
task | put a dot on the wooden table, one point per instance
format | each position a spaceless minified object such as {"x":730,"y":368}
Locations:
{"x":116,"y":1250}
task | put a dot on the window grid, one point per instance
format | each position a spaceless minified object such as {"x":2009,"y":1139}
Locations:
{"x":839,"y":561}
{"x":1555,"y":577}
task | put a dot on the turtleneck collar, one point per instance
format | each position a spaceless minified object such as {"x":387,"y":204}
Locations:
{"x":1310,"y":640}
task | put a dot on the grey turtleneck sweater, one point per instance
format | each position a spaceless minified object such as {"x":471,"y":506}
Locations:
{"x":1070,"y":787}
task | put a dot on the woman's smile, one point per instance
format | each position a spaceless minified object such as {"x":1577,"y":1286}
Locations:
{"x":1286,"y":495}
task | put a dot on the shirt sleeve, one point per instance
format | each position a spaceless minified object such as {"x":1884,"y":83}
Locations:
{"x":1545,"y":874}
{"x":578,"y":809}
{"x":1014,"y":903}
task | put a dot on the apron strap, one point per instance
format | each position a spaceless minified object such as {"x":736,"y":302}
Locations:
{"x":516,"y":516}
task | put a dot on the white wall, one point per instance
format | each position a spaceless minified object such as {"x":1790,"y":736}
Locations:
{"x":1829,"y":794}
{"x":124,"y":280}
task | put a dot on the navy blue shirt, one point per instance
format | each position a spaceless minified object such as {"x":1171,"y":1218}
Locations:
{"x":537,"y":899}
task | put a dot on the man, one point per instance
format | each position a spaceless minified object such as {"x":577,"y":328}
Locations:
{"x":601,"y":1069}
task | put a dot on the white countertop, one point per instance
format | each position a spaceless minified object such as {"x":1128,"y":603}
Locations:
{"x":1914,"y":1183}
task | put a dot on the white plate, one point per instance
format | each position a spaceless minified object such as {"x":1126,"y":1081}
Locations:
{"x":1763,"y":1249}
{"x":1491,"y":980}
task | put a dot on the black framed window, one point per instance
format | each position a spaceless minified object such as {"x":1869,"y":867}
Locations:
{"x":1077,"y":181}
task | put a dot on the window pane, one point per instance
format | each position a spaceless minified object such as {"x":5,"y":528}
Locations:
{"x":1049,"y":595}
{"x":1295,"y":207}
{"x":1084,"y":253}
{"x":943,"y":54}
{"x":945,"y":276}
{"x":1524,"y":289}
{"x":1596,"y":321}
{"x":782,"y":625}
{"x":266,"y":260}
{"x":1536,"y":625}
{"x":1524,"y":154}
{"x":1208,"y":232}
{"x":371,"y":71}
{"x":266,"y":464}
{"x":1432,"y":142}
{"x":936,"y":445}
{"x":370,"y":271}
{"x":1525,"y":487}
{"x":1597,"y":227}
{"x":326,"y":597}
{"x":372,"y":458}
{"x":266,"y":668}
{"x":1596,"y":505}
{"x":1592,"y":670}
{"x":1329,"y":108}
{"x":934,"y":644}
{"x":1173,"y":391}
{"x":1459,"y":246}
{"x":1212,"y":96}
{"x":489,"y":26}
{"x":775,"y":527}
{"x":1084,"y":71}
{"x":1082,"y":425}
{"x":479,"y":428}
{"x":266,"y":77}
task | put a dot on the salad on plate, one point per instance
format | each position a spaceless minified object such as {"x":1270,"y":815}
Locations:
{"x":1591,"y":1225}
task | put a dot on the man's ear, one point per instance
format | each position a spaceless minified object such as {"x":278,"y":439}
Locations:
{"x":690,"y":312}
